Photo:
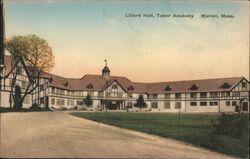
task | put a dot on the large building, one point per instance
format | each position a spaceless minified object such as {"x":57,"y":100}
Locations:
{"x":120,"y":93}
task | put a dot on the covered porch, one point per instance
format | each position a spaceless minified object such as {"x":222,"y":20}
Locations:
{"x":111,"y":104}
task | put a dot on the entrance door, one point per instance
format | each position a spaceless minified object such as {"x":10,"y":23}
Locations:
{"x":113,"y":105}
{"x":245,"y":106}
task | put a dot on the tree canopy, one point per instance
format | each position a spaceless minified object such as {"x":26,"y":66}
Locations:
{"x":88,"y":101}
{"x":140,"y":102}
{"x":34,"y":50}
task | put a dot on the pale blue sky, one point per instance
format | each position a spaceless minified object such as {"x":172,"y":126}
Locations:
{"x":83,"y":33}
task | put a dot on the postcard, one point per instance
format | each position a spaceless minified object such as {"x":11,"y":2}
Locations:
{"x":124,"y":79}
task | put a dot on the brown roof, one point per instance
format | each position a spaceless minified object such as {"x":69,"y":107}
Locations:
{"x":204,"y":85}
{"x":99,"y":83}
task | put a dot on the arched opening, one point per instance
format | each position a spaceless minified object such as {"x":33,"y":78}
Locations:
{"x":244,"y":105}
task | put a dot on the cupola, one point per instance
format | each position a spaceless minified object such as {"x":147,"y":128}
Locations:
{"x":106,"y":70}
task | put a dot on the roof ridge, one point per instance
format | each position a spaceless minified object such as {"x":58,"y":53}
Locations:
{"x":196,"y":80}
{"x":55,"y":75}
{"x":89,"y":75}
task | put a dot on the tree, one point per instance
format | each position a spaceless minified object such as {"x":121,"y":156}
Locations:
{"x":17,"y":98}
{"x":140,"y":102}
{"x":88,"y":101}
{"x":36,"y":54}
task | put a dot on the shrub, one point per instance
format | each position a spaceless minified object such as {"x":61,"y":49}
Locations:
{"x":18,"y":98}
{"x":35,"y":106}
{"x":235,"y":125}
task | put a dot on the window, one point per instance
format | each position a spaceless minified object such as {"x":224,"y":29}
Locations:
{"x":10,"y":82}
{"x":213,"y":103}
{"x":214,"y":94}
{"x":78,"y":93}
{"x":155,"y":96}
{"x":42,"y":100}
{"x":60,"y":102}
{"x":235,"y":94}
{"x":234,"y":103}
{"x":193,"y":103}
{"x":70,"y":102}
{"x":177,"y":105}
{"x":226,"y":85}
{"x":223,"y":94}
{"x":178,"y":95}
{"x":167,"y":95}
{"x":203,"y":103}
{"x":53,"y":90}
{"x":244,"y":85}
{"x":166,"y":105}
{"x":227,"y":103}
{"x":129,"y":104}
{"x":130,"y":88}
{"x":23,"y":85}
{"x":100,"y":94}
{"x":154,"y":105}
{"x":41,"y":87}
{"x":130,"y":95}
{"x":204,"y":95}
{"x":57,"y":91}
{"x":26,"y":100}
{"x":193,"y":95}
{"x":53,"y":101}
{"x":90,"y":93}
{"x":168,"y":88}
{"x":19,"y":70}
{"x":228,"y":94}
{"x":79,"y":102}
{"x":193,"y":87}
{"x":90,"y":86}
{"x":114,"y":86}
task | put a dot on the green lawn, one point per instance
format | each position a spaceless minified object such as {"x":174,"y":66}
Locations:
{"x":195,"y":129}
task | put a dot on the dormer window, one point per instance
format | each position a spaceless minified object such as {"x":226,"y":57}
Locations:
{"x":226,"y":85}
{"x":65,"y":83}
{"x":130,"y":88}
{"x":90,"y":86}
{"x":168,"y":88}
{"x":194,"y":87}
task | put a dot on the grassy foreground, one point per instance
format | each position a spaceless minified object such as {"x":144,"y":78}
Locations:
{"x":194,"y":129}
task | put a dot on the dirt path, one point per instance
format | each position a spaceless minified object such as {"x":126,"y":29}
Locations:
{"x":55,"y":134}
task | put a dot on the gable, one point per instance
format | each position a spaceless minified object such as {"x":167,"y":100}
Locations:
{"x":10,"y":67}
{"x":115,"y":85}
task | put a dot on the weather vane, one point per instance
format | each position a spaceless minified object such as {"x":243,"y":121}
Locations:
{"x":106,"y":62}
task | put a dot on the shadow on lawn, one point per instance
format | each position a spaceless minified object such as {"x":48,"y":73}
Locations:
{"x":6,"y":110}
